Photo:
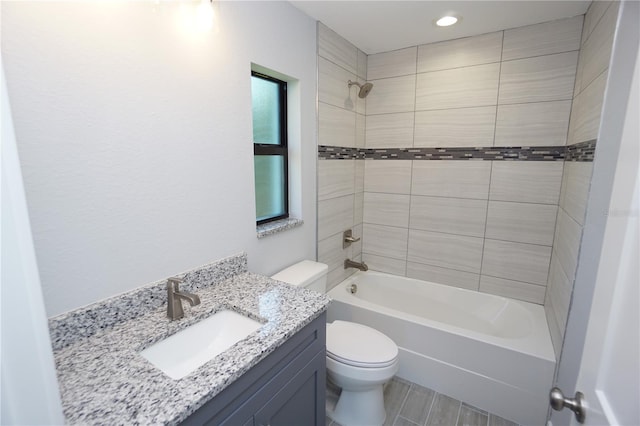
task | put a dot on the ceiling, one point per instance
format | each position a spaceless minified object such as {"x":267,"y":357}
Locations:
{"x":381,"y":26}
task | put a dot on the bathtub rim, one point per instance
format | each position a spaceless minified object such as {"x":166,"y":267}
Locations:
{"x":538,"y":344}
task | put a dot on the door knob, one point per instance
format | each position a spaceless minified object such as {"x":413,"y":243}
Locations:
{"x":575,"y":404}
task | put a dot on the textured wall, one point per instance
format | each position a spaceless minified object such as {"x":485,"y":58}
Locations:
{"x":134,"y":134}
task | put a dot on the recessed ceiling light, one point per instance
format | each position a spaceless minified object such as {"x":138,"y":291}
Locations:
{"x":445,"y":21}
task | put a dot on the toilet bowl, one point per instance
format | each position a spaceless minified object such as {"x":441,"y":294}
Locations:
{"x":360,"y":359}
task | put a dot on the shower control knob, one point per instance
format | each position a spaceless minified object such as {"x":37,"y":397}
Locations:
{"x":575,"y":404}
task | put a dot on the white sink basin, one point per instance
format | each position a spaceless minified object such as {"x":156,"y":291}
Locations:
{"x":180,"y":354}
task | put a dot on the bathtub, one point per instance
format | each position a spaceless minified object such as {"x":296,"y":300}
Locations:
{"x":489,"y":351}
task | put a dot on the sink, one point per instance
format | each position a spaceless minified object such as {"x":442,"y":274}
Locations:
{"x":183,"y":352}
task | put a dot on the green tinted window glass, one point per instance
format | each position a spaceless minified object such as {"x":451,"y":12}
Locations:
{"x":270,"y":196}
{"x":266,"y":111}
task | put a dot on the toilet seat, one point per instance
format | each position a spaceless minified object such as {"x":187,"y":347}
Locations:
{"x":359,"y":346}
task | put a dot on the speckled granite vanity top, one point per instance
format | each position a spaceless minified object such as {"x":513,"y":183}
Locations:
{"x":104,"y":380}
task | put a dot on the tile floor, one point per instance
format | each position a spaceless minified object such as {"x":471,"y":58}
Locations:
{"x":409,"y":404}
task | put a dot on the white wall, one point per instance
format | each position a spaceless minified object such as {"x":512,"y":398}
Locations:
{"x":134,"y":135}
{"x":29,"y":391}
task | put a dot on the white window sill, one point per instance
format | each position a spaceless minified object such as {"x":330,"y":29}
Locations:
{"x":277,"y":226}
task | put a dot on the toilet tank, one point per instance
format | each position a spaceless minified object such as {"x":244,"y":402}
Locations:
{"x":309,"y":274}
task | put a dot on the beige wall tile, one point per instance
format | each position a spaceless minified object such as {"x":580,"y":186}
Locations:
{"x":336,"y":49}
{"x":458,"y":88}
{"x":390,"y":176}
{"x":334,"y":215}
{"x":385,"y":264}
{"x":540,"y":79}
{"x":562,"y":35}
{"x":391,"y":95}
{"x":450,"y":215}
{"x":392,"y":64}
{"x":513,"y":289}
{"x":516,"y":261}
{"x":360,"y":130}
{"x":533,"y":124}
{"x":335,"y":178}
{"x":596,"y":10}
{"x":567,"y":243}
{"x":526,"y":181}
{"x":336,"y":126}
{"x":575,"y":189}
{"x":482,"y":49}
{"x":330,"y":251}
{"x":358,"y":208}
{"x":387,"y":241}
{"x":386,"y":209}
{"x":462,"y":179}
{"x":445,"y":250}
{"x":586,"y":112}
{"x":390,"y":130}
{"x":597,"y":49}
{"x":362,"y":65}
{"x":333,"y":85}
{"x":559,"y":289}
{"x":521,"y":222}
{"x":359,"y":173}
{"x":444,"y":276}
{"x":463,"y":127}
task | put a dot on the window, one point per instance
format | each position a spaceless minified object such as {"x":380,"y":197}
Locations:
{"x":269,"y":105}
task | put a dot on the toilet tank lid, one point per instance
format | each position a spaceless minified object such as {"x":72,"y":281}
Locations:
{"x":302,"y":273}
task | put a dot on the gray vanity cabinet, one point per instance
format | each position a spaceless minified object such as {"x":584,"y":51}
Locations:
{"x":286,"y":388}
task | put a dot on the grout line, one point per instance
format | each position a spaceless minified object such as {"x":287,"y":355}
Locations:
{"x":433,"y":401}
{"x":495,"y":126}
{"x":459,"y":412}
{"x":404,"y":401}
{"x":465,"y":107}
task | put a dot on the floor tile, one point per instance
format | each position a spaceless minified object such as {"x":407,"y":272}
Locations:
{"x":470,"y":417}
{"x":444,"y":411}
{"x":394,"y":395}
{"x":417,"y":405}
{"x":499,"y":421}
{"x":401,"y":421}
{"x":409,"y":404}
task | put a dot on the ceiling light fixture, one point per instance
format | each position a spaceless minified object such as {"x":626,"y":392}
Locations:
{"x":446,"y":21}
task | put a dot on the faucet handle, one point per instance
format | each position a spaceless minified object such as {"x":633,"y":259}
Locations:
{"x":348,"y":238}
{"x":172,"y":283}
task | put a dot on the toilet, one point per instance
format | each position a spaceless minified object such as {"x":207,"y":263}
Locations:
{"x":360,"y":359}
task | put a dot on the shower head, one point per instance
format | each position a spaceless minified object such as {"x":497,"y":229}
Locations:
{"x":364,"y":88}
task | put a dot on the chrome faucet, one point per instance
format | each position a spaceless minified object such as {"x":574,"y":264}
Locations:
{"x":348,"y":263}
{"x":174,"y":296}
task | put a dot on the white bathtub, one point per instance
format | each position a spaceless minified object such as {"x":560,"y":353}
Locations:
{"x":489,"y":351}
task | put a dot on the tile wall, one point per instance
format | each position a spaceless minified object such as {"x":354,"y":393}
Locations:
{"x":341,"y":122}
{"x":511,"y":228}
{"x":595,"y":53}
{"x":481,"y":225}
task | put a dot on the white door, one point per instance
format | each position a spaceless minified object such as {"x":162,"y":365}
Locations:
{"x":609,"y":370}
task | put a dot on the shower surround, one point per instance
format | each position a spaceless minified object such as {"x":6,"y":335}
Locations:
{"x":472,"y":164}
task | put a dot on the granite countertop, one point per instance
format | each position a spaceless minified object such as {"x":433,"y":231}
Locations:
{"x":104,"y":380}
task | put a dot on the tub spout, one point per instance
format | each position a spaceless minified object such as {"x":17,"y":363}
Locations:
{"x":348,"y":263}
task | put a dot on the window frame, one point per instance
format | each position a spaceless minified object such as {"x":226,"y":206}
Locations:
{"x":281,"y":149}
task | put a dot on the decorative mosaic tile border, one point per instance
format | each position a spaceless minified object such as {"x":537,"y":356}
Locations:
{"x":582,"y":151}
{"x":578,"y":152}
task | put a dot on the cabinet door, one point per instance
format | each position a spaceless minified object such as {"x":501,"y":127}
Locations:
{"x":299,"y":402}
